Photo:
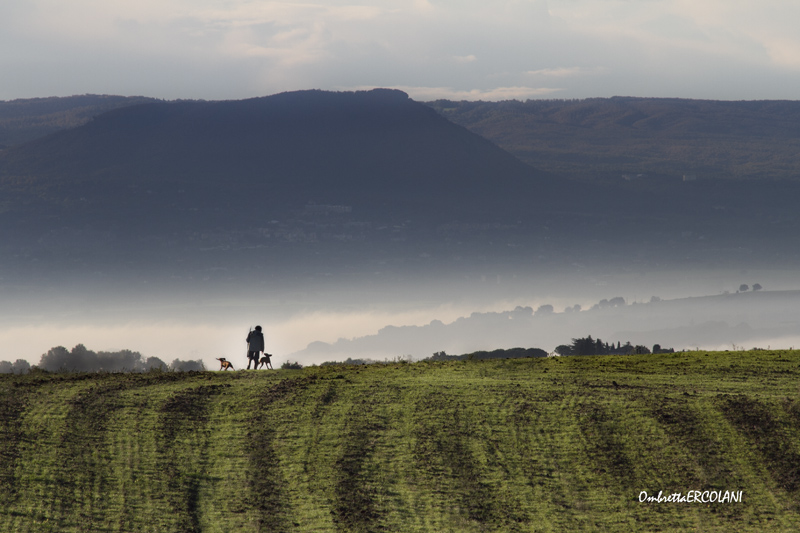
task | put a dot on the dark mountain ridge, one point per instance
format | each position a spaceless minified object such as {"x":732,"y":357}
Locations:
{"x":375,"y":150}
{"x":606,"y":138}
{"x":340,"y":178}
{"x":26,"y":119}
{"x":318,"y":179}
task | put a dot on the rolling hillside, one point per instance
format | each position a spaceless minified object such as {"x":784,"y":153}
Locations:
{"x":314,"y":184}
{"x":553,"y":444}
{"x":666,"y":138}
{"x":374,"y":151}
{"x":26,"y":119}
{"x":303,"y":180}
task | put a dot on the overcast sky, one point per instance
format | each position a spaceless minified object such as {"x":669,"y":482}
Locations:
{"x":457,"y":49}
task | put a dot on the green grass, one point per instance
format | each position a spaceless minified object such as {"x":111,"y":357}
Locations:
{"x":562,"y":444}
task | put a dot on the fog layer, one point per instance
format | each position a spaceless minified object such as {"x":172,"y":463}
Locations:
{"x":317,"y":322}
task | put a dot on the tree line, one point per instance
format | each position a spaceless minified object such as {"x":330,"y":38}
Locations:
{"x":81,"y":359}
{"x":589,"y":346}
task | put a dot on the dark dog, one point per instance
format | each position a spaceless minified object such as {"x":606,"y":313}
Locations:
{"x":265,"y":361}
{"x":224,"y":364}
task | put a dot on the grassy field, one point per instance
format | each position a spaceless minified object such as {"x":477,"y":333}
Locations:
{"x":552,"y":444}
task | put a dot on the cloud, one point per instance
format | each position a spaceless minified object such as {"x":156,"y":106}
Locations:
{"x":425,"y":94}
{"x":460,"y":48}
{"x":465,"y":59}
{"x":784,"y":52}
{"x":565,"y":72}
{"x":750,"y":32}
{"x":286,"y":46}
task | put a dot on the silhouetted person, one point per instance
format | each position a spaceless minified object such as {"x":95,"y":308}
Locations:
{"x":255,"y":345}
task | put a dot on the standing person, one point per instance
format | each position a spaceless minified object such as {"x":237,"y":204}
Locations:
{"x":255,"y":345}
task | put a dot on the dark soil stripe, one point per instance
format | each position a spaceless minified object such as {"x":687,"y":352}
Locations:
{"x":183,"y":413}
{"x":683,"y":427}
{"x":792,"y":407}
{"x":327,"y":398}
{"x":267,"y":488}
{"x":12,"y":405}
{"x":605,"y":449}
{"x":355,"y":507}
{"x":770,"y":435}
{"x":81,"y":453}
{"x":442,"y":450}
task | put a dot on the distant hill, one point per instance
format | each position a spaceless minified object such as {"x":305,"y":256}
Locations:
{"x":751,"y":319}
{"x":608,"y":138}
{"x":27,"y":119}
{"x":374,"y":151}
{"x":253,"y":182}
{"x":344,"y":181}
{"x":593,"y":138}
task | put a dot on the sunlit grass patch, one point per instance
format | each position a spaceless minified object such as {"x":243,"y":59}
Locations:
{"x":548,"y":444}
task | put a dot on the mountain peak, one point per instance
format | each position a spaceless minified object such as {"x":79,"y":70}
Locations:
{"x":375,"y":150}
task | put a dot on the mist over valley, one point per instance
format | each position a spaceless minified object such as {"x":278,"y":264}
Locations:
{"x":170,"y":228}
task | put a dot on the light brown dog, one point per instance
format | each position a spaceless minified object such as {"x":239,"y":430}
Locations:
{"x":265,"y":361}
{"x":224,"y":364}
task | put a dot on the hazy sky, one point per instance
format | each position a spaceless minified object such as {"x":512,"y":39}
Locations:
{"x":458,"y":49}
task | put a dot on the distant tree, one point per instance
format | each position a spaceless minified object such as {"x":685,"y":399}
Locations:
{"x":757,"y":287}
{"x":520,"y":311}
{"x":544,"y":310}
{"x":291,"y":366}
{"x":187,"y":366}
{"x":56,"y":358}
{"x":154,"y":363}
{"x":349,"y":361}
{"x":563,"y":349}
{"x":743,"y":288}
{"x":656,"y":348}
{"x":639,"y":349}
{"x":627,"y":349}
{"x":584,"y":346}
{"x":81,"y":359}
{"x":600,"y":348}
{"x":20,"y":366}
{"x":617,"y":301}
{"x":511,"y":353}
{"x":621,"y":349}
